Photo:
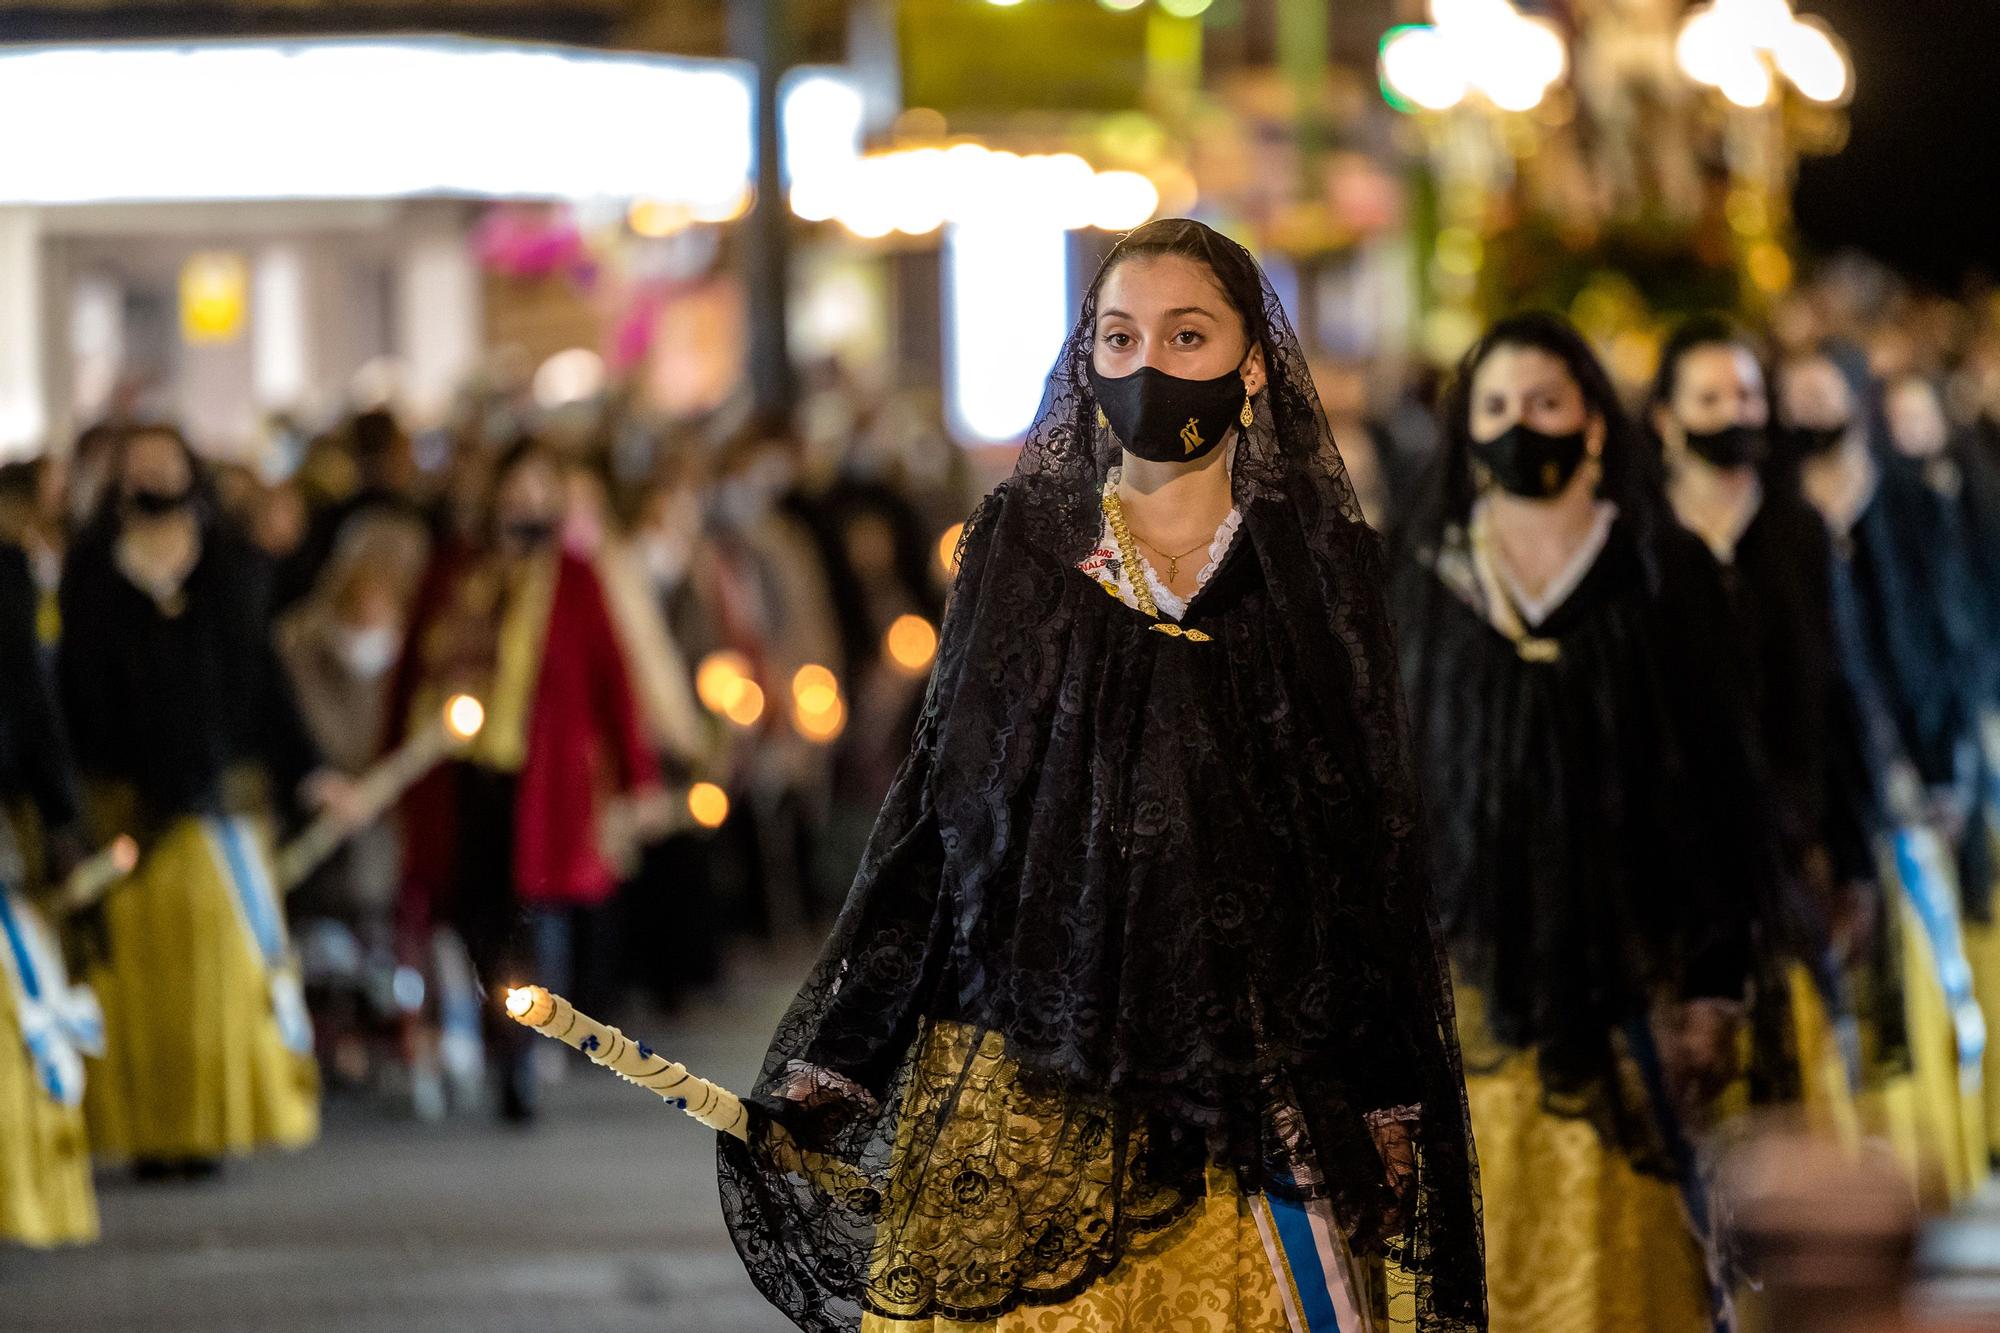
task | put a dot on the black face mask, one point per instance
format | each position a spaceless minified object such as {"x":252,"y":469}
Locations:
{"x":1732,"y":446}
{"x":529,"y":534}
{"x":1527,"y":463}
{"x":157,"y":504}
{"x":1812,"y":441}
{"x":1166,"y":419}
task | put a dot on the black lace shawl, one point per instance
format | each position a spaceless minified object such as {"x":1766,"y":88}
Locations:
{"x":1781,"y":589}
{"x":1942,"y":517}
{"x":1781,"y":586}
{"x":1597,"y":835}
{"x":1176,"y":886}
{"x":1870,"y":582}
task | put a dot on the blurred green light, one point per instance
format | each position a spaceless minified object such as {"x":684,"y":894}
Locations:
{"x":1185,"y":9}
{"x":1395,"y":99}
{"x":1119,"y":6}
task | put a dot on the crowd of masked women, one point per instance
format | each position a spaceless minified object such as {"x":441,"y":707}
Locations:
{"x":696,"y":665}
{"x":1704,"y":688}
{"x":1704,"y":697}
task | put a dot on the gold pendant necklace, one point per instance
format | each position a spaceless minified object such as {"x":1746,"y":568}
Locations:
{"x":1135,"y":572}
{"x":1173,"y":561}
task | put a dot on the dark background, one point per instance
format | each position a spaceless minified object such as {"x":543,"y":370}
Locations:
{"x":1916,"y":182}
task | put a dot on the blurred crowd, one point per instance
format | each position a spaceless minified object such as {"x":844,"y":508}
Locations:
{"x":697,"y":656}
{"x":697,"y":653}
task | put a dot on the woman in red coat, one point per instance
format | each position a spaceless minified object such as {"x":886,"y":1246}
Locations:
{"x":507,"y":843}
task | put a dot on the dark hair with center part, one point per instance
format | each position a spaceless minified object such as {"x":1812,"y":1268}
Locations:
{"x":1705,"y":330}
{"x":1235,"y":272}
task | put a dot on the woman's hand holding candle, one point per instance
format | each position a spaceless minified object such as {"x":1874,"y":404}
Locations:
{"x":95,"y":875}
{"x":347,"y":806}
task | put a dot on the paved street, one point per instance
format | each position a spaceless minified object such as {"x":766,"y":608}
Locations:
{"x":602,"y":1219}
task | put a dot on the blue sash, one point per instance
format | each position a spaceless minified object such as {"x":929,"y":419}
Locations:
{"x":257,"y":909}
{"x":1927,"y":883}
{"x":59,"y":1023}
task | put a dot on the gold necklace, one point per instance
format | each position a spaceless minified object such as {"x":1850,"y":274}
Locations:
{"x":1135,"y":573}
{"x":1173,"y":561}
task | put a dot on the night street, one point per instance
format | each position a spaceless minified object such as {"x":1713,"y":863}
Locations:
{"x":601,"y":1219}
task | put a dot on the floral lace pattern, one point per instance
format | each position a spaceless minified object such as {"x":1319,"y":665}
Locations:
{"x":1178,"y":892}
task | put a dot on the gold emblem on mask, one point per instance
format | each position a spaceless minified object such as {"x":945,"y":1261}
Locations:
{"x":1551,"y":478}
{"x":1190,"y":437}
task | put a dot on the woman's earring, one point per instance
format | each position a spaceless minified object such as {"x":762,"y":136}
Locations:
{"x":1246,"y":416}
{"x":1102,"y":422}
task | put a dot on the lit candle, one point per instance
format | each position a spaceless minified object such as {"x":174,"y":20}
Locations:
{"x":381,"y":787}
{"x":553,"y":1016}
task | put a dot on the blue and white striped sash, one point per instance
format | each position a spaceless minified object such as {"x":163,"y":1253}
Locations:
{"x":59,"y":1023}
{"x":1927,"y":882}
{"x":257,"y":908}
{"x":1314,"y":1270}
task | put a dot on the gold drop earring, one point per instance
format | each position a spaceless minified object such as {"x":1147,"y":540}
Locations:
{"x":1103,"y":423}
{"x":1246,"y":416}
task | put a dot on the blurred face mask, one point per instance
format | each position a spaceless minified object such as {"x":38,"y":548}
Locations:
{"x":1730,"y":447}
{"x":1528,"y":463}
{"x":367,"y":652}
{"x":1813,"y":441}
{"x":528,"y":535}
{"x":1166,"y":419}
{"x":148,"y":503}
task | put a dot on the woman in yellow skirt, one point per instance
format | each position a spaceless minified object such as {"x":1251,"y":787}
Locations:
{"x":1922,"y":1030}
{"x":174,"y":696}
{"x":46,"y":1197}
{"x":1597,"y":833}
{"x":45,"y":1023}
{"x":1135,"y":1019}
{"x":1711,"y":416}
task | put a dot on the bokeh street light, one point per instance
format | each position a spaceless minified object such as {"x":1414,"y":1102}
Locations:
{"x":915,"y":191}
{"x":1485,"y":47}
{"x":1742,"y":48}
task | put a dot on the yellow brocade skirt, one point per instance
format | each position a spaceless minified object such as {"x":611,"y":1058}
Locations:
{"x":1982,"y":949}
{"x":1576,"y":1240}
{"x":1827,"y":1095}
{"x":1206,"y":1273}
{"x":45,"y":1191}
{"x":1936,"y":1124}
{"x":194,"y":1065}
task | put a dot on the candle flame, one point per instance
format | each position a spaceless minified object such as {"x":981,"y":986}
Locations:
{"x":911,"y":642}
{"x":709,"y":804}
{"x":464,"y":716}
{"x":520,"y":999}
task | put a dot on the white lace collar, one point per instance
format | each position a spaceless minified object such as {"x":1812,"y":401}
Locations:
{"x":1104,"y":565}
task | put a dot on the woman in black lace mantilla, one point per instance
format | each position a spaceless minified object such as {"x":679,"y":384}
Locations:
{"x":1136,"y":1012}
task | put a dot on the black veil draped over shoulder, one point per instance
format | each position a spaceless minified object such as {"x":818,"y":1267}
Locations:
{"x":1600,"y":841}
{"x":1138,"y":907}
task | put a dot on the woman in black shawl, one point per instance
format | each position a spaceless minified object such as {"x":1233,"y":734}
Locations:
{"x":1580,"y":727}
{"x":1924,"y":1045}
{"x":1135,"y":1013}
{"x":1711,"y":417}
{"x":186,"y":733}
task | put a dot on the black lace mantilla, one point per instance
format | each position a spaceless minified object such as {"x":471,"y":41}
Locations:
{"x":1135,"y":905}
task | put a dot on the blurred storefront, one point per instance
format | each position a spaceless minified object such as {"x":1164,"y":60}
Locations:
{"x":951,"y":170}
{"x":223,"y":231}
